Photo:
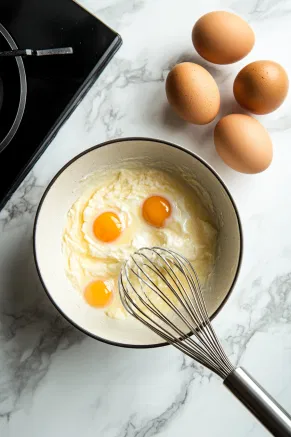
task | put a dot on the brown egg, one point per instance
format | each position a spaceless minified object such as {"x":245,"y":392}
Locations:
{"x":243,"y":143}
{"x":193,"y":93}
{"x":261,"y":86}
{"x":222,"y":37}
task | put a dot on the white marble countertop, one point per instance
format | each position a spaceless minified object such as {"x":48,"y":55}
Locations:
{"x":55,"y":381}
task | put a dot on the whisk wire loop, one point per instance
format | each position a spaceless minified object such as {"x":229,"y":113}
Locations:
{"x":161,"y":289}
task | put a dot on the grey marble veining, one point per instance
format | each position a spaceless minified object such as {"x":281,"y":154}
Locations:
{"x":56,"y":381}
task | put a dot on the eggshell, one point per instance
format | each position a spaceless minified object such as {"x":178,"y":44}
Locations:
{"x":261,"y":86}
{"x":193,"y":93}
{"x":222,"y":37}
{"x":243,"y":143}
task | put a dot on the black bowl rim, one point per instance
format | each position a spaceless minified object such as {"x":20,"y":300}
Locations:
{"x":121,"y":140}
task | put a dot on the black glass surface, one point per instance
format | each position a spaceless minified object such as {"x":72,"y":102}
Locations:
{"x":10,"y":82}
{"x":55,"y":84}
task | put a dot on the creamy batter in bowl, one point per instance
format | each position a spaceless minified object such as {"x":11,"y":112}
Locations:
{"x":123,"y":210}
{"x":197,"y":196}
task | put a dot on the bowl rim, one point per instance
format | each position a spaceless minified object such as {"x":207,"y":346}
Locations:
{"x":104,"y":144}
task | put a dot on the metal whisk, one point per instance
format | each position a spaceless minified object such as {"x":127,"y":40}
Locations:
{"x":161,"y":289}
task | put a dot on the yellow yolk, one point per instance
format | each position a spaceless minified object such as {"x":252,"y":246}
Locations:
{"x":107,"y":227}
{"x":97,"y":294}
{"x":155,"y":211}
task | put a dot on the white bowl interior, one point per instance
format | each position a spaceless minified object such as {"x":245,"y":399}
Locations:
{"x":66,"y":188}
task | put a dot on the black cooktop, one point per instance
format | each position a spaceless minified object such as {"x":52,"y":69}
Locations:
{"x":37,"y":94}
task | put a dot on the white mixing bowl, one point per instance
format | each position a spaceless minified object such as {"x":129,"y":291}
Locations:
{"x":65,"y":188}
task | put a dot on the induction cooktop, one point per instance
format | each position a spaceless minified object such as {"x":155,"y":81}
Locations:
{"x":37,"y":94}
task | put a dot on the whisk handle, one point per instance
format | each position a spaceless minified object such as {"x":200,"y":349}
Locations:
{"x":259,"y":402}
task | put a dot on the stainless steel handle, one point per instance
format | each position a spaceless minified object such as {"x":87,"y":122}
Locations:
{"x":259,"y":402}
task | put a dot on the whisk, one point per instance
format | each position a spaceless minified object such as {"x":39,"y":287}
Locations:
{"x":161,"y":289}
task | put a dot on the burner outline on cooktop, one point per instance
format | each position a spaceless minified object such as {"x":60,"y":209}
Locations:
{"x":23,"y":91}
{"x":49,"y":23}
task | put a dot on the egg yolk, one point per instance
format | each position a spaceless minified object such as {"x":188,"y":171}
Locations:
{"x":107,"y":227}
{"x":97,"y":294}
{"x":155,"y":210}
